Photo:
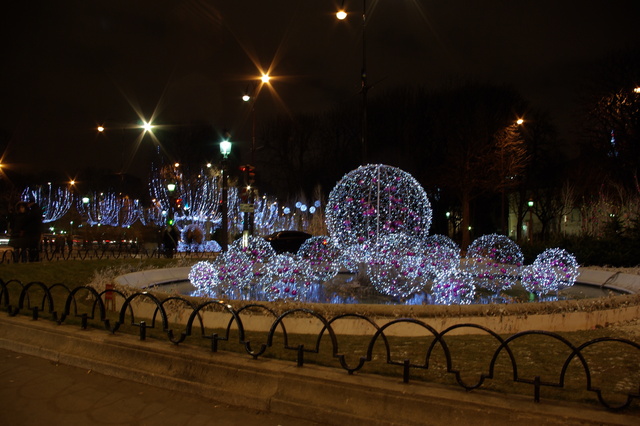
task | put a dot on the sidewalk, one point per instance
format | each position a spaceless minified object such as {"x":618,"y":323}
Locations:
{"x":153,"y":382}
{"x":37,"y":391}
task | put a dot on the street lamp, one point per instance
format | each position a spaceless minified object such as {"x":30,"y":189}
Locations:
{"x":225,"y":150}
{"x":530,"y":204}
{"x":341,"y":15}
{"x":509,"y":134}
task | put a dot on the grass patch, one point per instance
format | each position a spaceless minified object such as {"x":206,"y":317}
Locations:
{"x":74,"y":273}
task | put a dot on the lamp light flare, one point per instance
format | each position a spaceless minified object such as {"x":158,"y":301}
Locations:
{"x":225,"y":148}
{"x":100,"y":129}
{"x":147,"y":126}
{"x":520,"y":121}
{"x":265,"y":79}
{"x":341,"y":15}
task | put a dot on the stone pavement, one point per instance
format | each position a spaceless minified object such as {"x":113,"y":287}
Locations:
{"x":36,"y":391}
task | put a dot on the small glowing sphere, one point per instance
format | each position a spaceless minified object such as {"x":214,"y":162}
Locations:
{"x":495,"y":261}
{"x":397,"y":266}
{"x":341,"y":14}
{"x":457,"y":288}
{"x":286,"y":277}
{"x":322,"y":255}
{"x":553,"y":269}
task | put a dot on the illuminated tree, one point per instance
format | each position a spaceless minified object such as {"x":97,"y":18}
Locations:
{"x":54,"y":203}
{"x":479,"y":153}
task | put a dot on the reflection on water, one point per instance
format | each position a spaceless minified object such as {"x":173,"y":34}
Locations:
{"x":345,"y":289}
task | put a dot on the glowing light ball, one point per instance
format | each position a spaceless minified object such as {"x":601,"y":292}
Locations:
{"x":201,"y":276}
{"x":322,"y":256}
{"x":398,"y":266}
{"x":376,"y":200}
{"x":457,"y":288}
{"x":553,"y":269}
{"x":443,"y":255}
{"x":495,"y":261}
{"x":235,"y":274}
{"x":257,"y":249}
{"x":286,"y":277}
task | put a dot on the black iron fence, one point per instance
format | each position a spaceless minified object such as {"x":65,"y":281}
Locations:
{"x":616,"y":388}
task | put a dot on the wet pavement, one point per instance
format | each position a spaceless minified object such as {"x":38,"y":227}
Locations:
{"x":38,"y":391}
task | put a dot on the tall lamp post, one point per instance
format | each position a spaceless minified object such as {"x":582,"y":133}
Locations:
{"x":341,"y":15}
{"x":251,"y":96}
{"x":171,"y":187}
{"x":225,"y":150}
{"x":530,"y":204}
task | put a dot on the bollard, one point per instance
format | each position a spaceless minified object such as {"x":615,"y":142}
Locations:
{"x":84,"y":322}
{"x":300,"y":355}
{"x":34,"y":314}
{"x":536,"y":393}
{"x":143,"y":330}
{"x":214,"y":342}
{"x":405,"y":371}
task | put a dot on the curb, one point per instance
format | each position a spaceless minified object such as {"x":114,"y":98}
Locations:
{"x":320,"y":394}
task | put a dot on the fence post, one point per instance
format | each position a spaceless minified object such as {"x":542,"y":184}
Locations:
{"x":143,"y":330}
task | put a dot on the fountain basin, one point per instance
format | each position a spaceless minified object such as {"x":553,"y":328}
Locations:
{"x":563,"y":315}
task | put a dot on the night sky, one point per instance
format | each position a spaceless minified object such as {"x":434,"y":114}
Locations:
{"x":69,"y":66}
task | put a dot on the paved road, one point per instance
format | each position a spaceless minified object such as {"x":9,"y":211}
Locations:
{"x":35,"y":391}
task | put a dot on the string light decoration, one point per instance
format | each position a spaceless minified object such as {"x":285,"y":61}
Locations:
{"x":54,"y":203}
{"x":552,"y":270}
{"x":323,"y":257}
{"x":256,"y":248}
{"x":399,"y":266}
{"x":443,"y":255}
{"x":495,"y":261}
{"x":153,"y":216}
{"x":100,"y":209}
{"x":236,"y":272}
{"x":457,"y":288}
{"x":130,"y":211}
{"x":265,"y":215}
{"x":286,"y":277}
{"x":202,"y":276}
{"x":376,"y":200}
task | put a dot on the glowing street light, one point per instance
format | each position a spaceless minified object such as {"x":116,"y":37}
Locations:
{"x":225,"y":150}
{"x":265,"y":78}
{"x":341,"y":14}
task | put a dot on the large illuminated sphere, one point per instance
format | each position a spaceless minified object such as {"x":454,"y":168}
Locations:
{"x":322,"y":256}
{"x":374,"y":201}
{"x":495,"y":261}
{"x":553,"y":269}
{"x":286,"y":277}
{"x":398,"y":266}
{"x":457,"y":288}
